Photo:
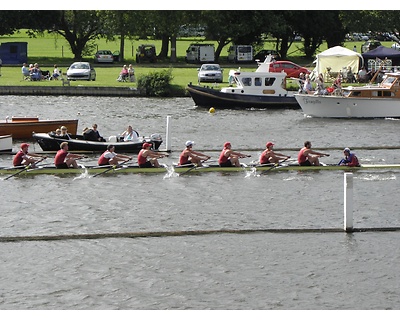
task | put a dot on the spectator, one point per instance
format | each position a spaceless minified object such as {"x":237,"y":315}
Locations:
{"x":36,"y":73}
{"x":131,"y":73}
{"x":25,"y":72}
{"x":56,"y":73}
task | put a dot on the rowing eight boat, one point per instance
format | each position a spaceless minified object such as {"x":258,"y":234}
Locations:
{"x":210,"y":168}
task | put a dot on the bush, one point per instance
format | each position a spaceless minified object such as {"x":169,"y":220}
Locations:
{"x":156,"y":84}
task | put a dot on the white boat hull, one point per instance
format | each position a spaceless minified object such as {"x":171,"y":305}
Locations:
{"x":344,"y":107}
{"x":5,"y":143}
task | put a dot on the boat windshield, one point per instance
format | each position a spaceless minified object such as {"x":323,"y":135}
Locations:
{"x":388,"y":81}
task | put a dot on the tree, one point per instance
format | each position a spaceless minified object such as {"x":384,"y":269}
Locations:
{"x":240,"y":27}
{"x":80,"y":28}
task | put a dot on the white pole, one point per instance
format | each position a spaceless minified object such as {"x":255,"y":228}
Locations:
{"x":168,"y":135}
{"x":348,"y":201}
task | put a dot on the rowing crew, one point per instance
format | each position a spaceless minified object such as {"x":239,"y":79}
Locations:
{"x":148,"y":158}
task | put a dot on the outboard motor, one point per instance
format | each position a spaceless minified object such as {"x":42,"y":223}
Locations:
{"x":156,"y":136}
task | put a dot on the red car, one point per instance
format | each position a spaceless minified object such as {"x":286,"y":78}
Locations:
{"x":290,"y":68}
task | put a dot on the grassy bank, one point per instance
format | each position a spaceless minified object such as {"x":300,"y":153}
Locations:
{"x":50,"y":49}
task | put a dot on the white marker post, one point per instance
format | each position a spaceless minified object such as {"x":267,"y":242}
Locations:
{"x":348,"y":201}
{"x":168,"y":135}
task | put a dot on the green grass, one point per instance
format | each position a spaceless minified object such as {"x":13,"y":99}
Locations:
{"x":50,"y":49}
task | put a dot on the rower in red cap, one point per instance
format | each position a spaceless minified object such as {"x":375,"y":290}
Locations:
{"x":270,"y":156}
{"x":152,"y":157}
{"x":230,"y":158}
{"x":25,"y":158}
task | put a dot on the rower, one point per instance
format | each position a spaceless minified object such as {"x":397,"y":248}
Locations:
{"x":148,"y":158}
{"x":109,"y":157}
{"x":230,"y":158}
{"x":270,"y":156}
{"x":23,"y":157}
{"x":308,"y":157}
{"x":190,"y":157}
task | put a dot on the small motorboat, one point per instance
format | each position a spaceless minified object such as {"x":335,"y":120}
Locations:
{"x":259,"y":89}
{"x":51,"y":142}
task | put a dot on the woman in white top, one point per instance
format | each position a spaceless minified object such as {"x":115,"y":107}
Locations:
{"x":129,"y":134}
{"x":131,"y":73}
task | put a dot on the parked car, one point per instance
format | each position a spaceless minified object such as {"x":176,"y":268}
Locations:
{"x":116,"y":55}
{"x":210,"y":73}
{"x":81,"y":71}
{"x":290,"y":68}
{"x":370,"y":45}
{"x":396,"y":46}
{"x":264,"y":53}
{"x":146,"y":52}
{"x":104,"y":56}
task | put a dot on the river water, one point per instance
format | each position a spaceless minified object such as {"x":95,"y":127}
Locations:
{"x":205,"y":270}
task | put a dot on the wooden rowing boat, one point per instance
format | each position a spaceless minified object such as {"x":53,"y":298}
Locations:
{"x":91,"y":170}
{"x":22,"y":127}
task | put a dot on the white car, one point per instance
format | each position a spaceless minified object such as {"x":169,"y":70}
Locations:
{"x":105,"y":56}
{"x":210,"y":73}
{"x":81,"y":71}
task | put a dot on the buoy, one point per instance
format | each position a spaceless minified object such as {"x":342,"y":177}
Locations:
{"x":212,"y":110}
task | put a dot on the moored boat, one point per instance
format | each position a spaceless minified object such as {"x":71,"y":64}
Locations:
{"x":49,"y":142}
{"x":22,"y":127}
{"x":369,"y":101}
{"x":92,"y":170}
{"x":259,"y":89}
{"x":6,"y":143}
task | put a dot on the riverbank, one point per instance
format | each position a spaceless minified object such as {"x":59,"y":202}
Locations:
{"x":67,"y":90}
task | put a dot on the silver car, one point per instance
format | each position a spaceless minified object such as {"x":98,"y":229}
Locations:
{"x":81,"y":71}
{"x":210,"y":73}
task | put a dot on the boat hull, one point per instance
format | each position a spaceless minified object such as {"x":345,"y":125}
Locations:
{"x":22,"y":128}
{"x":6,"y":143}
{"x":344,"y":107}
{"x":208,"y":97}
{"x":49,"y":143}
{"x":211,"y":168}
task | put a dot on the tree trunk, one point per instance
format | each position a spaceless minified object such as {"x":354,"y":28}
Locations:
{"x":173,"y":49}
{"x":164,"y":47}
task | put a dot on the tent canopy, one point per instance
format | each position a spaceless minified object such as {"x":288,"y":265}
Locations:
{"x":337,"y":58}
{"x":382,"y":52}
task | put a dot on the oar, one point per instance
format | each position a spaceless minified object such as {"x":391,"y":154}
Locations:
{"x":112,"y":168}
{"x":275,"y":166}
{"x":24,"y":169}
{"x":192,"y":168}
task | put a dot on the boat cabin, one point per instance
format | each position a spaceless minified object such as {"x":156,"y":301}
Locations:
{"x":260,"y":82}
{"x":388,"y":88}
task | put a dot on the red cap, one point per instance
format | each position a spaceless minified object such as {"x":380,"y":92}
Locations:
{"x":227,"y":144}
{"x":24,"y":145}
{"x":146,"y":145}
{"x":270,"y":144}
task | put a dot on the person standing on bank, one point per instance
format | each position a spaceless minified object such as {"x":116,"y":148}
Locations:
{"x":148,"y":158}
{"x":109,"y":157}
{"x":308,"y":157}
{"x":188,"y":156}
{"x":24,"y":158}
{"x":349,"y":159}
{"x":64,"y":159}
{"x":270,"y":156}
{"x":230,"y":158}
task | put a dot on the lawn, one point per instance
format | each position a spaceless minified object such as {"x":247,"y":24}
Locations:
{"x":50,"y":49}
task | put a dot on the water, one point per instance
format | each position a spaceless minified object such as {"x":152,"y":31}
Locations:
{"x":264,"y":270}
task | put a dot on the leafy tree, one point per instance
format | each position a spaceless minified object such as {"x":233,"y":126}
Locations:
{"x":80,"y":28}
{"x":240,"y":27}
